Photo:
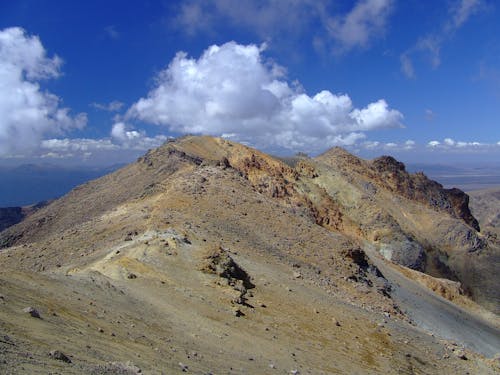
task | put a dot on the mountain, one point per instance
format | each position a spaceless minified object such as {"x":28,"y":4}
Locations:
{"x":10,"y":216}
{"x":30,"y":183}
{"x":207,"y":256}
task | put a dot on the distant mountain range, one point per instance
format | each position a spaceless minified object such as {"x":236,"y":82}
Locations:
{"x":467,"y":178}
{"x":32,"y":183}
{"x":29,"y":184}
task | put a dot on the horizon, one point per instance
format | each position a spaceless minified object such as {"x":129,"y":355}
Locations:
{"x":31,"y":183}
{"x":121,"y":159}
{"x":418,"y":82}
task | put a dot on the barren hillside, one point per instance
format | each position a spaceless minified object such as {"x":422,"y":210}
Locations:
{"x":206,"y":256}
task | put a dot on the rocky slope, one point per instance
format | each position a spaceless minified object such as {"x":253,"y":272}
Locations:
{"x":207,"y":256}
{"x":485,"y":205}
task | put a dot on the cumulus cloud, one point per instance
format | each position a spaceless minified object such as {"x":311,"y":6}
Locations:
{"x":123,"y":142}
{"x":433,"y":143}
{"x":445,"y":146}
{"x":75,"y":145}
{"x":388,"y":146}
{"x":451,"y":144}
{"x":27,"y":113}
{"x":409,"y":144}
{"x":282,"y":19}
{"x":232,"y":90}
{"x":128,"y":138}
{"x":430,"y":45}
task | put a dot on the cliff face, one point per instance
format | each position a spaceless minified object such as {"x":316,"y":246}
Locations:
{"x":392,"y":175}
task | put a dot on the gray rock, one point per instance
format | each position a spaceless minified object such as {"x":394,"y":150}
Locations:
{"x":406,"y":252}
{"x":117,"y":368}
{"x":60,"y":356}
{"x":460,"y":354}
{"x":32,"y":311}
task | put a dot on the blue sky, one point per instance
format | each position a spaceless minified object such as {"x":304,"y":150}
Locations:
{"x":100,"y":82}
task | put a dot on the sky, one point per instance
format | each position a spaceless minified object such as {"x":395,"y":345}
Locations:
{"x":100,"y":82}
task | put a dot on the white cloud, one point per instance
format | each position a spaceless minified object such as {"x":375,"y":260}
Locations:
{"x":127,"y":138}
{"x":433,"y":143}
{"x":113,"y":106}
{"x":264,"y":19}
{"x":119,"y":131}
{"x":407,"y":66}
{"x":231,"y":89}
{"x":121,"y":141}
{"x":449,"y":142}
{"x":388,"y":146}
{"x":447,"y":146}
{"x":430,"y":45}
{"x":409,"y":144}
{"x":366,"y":20}
{"x":281,"y":20}
{"x":77,"y":144}
{"x":26,"y":112}
{"x":461,"y":11}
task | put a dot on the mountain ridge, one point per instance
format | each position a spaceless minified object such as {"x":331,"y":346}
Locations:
{"x":309,"y":236}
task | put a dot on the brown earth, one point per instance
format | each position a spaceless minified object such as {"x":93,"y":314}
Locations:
{"x":206,"y":256}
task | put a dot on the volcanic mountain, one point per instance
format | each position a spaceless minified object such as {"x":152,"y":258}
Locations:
{"x":208,"y":256}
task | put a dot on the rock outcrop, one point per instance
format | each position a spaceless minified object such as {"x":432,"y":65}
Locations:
{"x":392,"y":174}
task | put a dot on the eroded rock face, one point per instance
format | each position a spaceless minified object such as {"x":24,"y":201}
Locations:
{"x":393,"y":175}
{"x":219,"y":262}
